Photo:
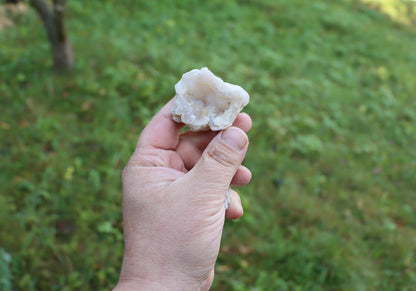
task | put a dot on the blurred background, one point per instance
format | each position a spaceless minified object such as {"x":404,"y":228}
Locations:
{"x":331,"y":205}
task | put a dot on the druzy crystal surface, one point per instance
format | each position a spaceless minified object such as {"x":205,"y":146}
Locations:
{"x":203,"y":101}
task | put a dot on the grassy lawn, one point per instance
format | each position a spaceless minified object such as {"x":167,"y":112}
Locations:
{"x":331,"y":205}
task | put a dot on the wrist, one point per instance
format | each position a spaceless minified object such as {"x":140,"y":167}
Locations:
{"x":146,"y":270}
{"x":177,"y":284}
{"x":154,"y":278}
{"x":126,"y":285}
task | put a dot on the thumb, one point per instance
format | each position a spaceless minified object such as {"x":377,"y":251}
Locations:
{"x":221,"y":159}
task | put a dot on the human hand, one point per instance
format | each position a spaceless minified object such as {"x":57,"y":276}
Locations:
{"x":174,"y":187}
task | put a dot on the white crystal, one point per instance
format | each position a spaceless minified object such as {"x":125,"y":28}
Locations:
{"x":204,"y":101}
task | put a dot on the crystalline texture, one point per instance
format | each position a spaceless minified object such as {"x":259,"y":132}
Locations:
{"x":204,"y":101}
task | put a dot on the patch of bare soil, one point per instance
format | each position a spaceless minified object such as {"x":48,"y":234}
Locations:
{"x":10,"y":11}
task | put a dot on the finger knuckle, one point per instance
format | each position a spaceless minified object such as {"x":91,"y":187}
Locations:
{"x":223,"y":156}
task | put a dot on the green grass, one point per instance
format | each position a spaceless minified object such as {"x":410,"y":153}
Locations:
{"x":332,"y":202}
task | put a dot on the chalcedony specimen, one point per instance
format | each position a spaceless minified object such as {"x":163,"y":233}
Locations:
{"x":203,"y":101}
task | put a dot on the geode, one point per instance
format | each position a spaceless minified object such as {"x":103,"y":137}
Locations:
{"x":204,"y":101}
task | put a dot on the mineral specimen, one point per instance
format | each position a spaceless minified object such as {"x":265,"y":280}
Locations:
{"x":204,"y":101}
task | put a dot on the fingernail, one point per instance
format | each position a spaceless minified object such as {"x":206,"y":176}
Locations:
{"x":235,"y":138}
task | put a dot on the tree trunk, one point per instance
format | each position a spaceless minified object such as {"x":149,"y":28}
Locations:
{"x":53,"y":20}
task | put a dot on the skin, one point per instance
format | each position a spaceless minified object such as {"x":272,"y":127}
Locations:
{"x":174,"y":188}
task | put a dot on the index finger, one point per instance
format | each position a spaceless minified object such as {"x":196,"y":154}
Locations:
{"x":162,"y":132}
